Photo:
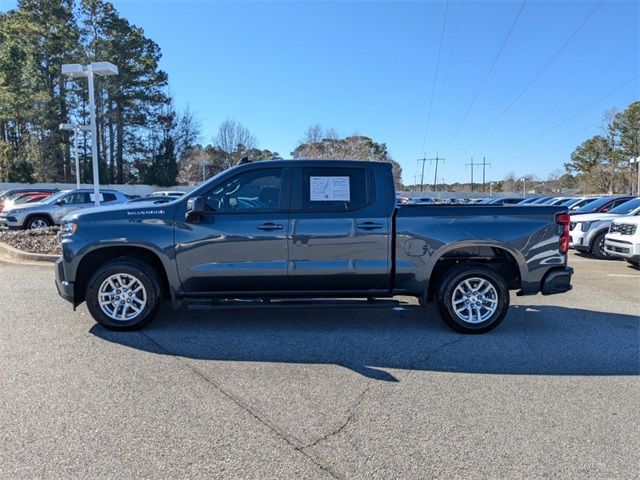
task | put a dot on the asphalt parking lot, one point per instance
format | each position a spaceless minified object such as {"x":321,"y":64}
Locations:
{"x":323,"y":392}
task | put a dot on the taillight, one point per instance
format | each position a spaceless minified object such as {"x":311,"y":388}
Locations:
{"x":564,"y":219}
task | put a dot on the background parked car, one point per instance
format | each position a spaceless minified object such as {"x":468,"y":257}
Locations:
{"x":10,"y":195}
{"x":421,"y":201}
{"x":587,"y":232}
{"x":29,"y":197}
{"x":602,"y":204}
{"x":154,"y":199}
{"x":49,"y":211}
{"x":167,"y":193}
{"x":623,"y":239}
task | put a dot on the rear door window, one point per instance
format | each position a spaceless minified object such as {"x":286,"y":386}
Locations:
{"x":329,"y":189}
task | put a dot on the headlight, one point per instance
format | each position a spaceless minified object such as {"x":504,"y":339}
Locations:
{"x":586,"y":226}
{"x":69,"y":227}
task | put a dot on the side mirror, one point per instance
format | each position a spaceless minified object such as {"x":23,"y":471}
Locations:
{"x":195,"y":207}
{"x":60,"y":202}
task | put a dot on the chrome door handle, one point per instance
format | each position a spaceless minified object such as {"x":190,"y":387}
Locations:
{"x":369,"y":226}
{"x":270,"y":226}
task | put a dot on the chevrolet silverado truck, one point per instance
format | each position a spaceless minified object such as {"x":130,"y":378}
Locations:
{"x":307,"y":230}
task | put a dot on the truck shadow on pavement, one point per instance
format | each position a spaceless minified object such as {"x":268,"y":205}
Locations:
{"x":535,"y":340}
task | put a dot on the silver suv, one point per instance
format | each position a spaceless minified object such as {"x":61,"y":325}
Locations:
{"x":51,"y":210}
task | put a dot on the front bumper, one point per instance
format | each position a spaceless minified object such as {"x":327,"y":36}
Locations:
{"x":12,"y":221}
{"x":622,"y":248}
{"x":65,"y":289}
{"x":557,"y":280}
{"x":579,"y":240}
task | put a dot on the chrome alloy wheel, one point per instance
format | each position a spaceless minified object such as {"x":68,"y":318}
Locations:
{"x":122,"y":297}
{"x":474,"y":300}
{"x":39,"y":223}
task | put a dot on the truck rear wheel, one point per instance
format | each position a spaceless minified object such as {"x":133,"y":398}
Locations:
{"x":123,"y":294}
{"x":473,"y":299}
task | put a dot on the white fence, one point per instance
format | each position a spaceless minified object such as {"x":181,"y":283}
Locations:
{"x":141,"y":190}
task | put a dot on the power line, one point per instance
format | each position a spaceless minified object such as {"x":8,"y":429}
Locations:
{"x":536,"y":76}
{"x":486,"y":76}
{"x":435,"y":76}
{"x":553,"y":108}
{"x":566,"y":119}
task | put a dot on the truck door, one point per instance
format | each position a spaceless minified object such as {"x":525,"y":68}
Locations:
{"x":240,"y":243}
{"x":340,"y":231}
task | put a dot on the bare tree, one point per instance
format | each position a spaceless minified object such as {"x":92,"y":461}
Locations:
{"x":235,"y":140}
{"x":187,"y":132}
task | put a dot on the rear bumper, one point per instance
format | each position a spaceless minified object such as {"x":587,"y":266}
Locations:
{"x":557,"y":281}
{"x":65,"y":289}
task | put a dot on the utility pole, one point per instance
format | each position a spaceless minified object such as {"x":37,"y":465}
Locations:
{"x":472,"y":165}
{"x":423,"y":160}
{"x":435,"y":176}
{"x":484,"y":165}
{"x":415,"y":179}
{"x":637,"y":162}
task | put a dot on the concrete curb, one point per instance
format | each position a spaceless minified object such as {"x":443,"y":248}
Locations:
{"x":15,"y":254}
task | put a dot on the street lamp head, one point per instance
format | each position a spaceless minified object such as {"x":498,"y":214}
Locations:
{"x":74,"y":70}
{"x":104,"y":68}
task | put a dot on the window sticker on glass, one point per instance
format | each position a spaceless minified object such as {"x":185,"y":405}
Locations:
{"x":92,"y":196}
{"x":329,"y":188}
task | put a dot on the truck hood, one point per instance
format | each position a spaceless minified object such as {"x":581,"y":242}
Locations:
{"x":593,"y":217}
{"x":120,"y":210}
{"x":628,"y":219}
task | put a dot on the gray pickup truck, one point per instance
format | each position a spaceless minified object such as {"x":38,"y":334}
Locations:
{"x":310,"y":229}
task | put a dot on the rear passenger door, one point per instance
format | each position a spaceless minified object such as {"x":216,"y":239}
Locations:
{"x":340,"y":230}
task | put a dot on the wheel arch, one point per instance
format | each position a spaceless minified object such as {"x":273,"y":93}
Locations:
{"x":98,"y":257}
{"x":499,"y":257}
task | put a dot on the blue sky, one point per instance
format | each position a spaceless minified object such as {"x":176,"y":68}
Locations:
{"x":369,"y":68}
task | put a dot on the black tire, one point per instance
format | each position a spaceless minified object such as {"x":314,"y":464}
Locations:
{"x":597,"y":247}
{"x":635,"y":263}
{"x":38,"y":221}
{"x":127,"y":267}
{"x":456,"y":277}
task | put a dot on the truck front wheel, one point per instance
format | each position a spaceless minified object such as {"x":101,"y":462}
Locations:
{"x":123,"y":295}
{"x":473,"y":299}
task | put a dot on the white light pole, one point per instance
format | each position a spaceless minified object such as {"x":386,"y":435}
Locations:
{"x":204,"y":162}
{"x":524,"y":187}
{"x":637,"y":162}
{"x":490,"y":188}
{"x":76,"y":129}
{"x":75,"y":70}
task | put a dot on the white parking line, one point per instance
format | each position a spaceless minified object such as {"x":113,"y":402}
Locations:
{"x":623,"y":275}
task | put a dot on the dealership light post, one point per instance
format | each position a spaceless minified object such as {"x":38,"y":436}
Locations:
{"x":637,"y":162}
{"x":524,"y":187}
{"x":75,"y":70}
{"x":76,"y":129}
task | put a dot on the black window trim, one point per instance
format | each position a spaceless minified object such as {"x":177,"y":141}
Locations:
{"x":285,"y":192}
{"x":297,"y":194}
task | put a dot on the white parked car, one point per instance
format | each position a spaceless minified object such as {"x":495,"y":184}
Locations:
{"x":623,"y":239}
{"x":587,"y":231}
{"x":167,"y":193}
